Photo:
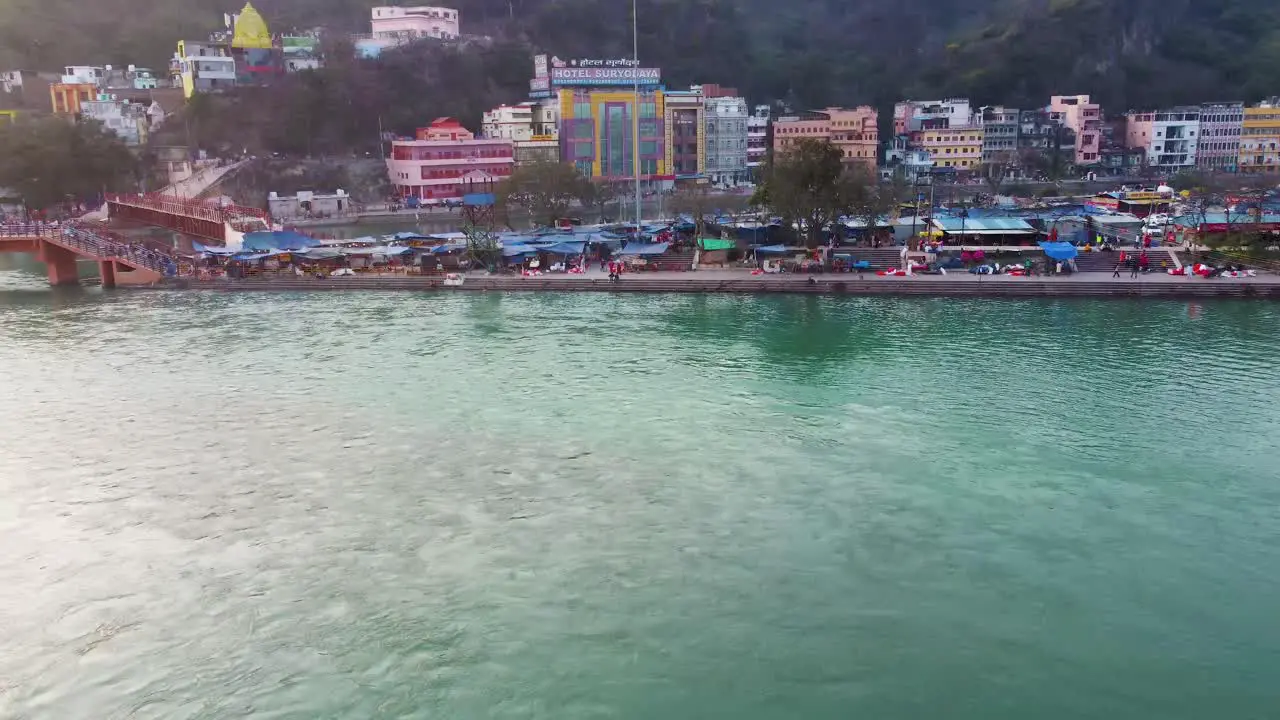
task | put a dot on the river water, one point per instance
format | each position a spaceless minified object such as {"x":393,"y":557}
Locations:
{"x":590,"y":506}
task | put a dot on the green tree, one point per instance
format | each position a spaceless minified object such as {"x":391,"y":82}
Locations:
{"x":546,"y":190}
{"x":696,"y":202}
{"x":52,"y":160}
{"x":869,"y":199}
{"x":805,"y":183}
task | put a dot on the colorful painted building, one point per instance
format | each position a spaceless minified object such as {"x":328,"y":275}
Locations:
{"x":68,"y":97}
{"x":1260,"y":138}
{"x":958,"y":147}
{"x":257,"y":57}
{"x":598,"y":127}
{"x":446,"y":161}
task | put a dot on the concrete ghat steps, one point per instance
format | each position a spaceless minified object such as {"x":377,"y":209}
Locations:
{"x":1106,"y":261}
{"x":846,"y":285}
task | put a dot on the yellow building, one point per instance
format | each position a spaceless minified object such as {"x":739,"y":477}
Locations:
{"x":251,"y":30}
{"x":1260,"y":139}
{"x":958,"y":147}
{"x":597,"y":129}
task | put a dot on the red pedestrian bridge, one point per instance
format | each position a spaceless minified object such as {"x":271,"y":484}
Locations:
{"x":59,"y":246}
{"x":204,"y":220}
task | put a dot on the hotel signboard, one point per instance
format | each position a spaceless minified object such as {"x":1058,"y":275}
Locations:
{"x":604,"y":76}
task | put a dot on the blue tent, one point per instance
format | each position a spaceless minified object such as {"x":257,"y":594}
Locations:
{"x":1060,"y":251}
{"x":509,"y":251}
{"x":278,"y":239}
{"x":644,"y":249}
{"x":565,"y":248}
{"x":774,"y":250}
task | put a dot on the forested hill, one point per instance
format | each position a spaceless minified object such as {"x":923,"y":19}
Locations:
{"x":812,"y":52}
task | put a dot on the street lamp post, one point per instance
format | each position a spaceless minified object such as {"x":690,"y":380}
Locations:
{"x":635,"y":49}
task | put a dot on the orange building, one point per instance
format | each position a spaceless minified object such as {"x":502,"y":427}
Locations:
{"x":854,"y":131}
{"x":66,"y":97}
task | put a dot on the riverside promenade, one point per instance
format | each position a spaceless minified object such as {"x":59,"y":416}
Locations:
{"x":737,"y":281}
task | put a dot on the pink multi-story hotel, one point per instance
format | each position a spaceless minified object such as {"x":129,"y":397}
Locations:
{"x":446,"y":161}
{"x":1085,"y":118}
{"x":854,"y":131}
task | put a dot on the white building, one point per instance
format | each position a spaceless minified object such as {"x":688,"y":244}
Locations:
{"x":509,"y":122}
{"x":726,"y":140}
{"x":412,"y":23}
{"x":532,"y":127}
{"x":758,"y":136}
{"x":83,"y":75}
{"x":915,"y":165}
{"x":915,"y":115}
{"x":1175,"y":138}
{"x":130,"y":121}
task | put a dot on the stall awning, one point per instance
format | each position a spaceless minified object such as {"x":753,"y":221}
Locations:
{"x":984,"y":226}
{"x":716,"y":244}
{"x":644,"y":249}
{"x":278,"y":239}
{"x":1060,"y":251}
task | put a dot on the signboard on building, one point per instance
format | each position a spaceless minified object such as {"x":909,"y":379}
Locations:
{"x":594,"y":63}
{"x":539,"y":84}
{"x":598,"y":76}
{"x":539,"y":66}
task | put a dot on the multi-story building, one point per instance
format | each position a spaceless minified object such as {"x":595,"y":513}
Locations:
{"x":758,"y":136}
{"x":203,"y":66}
{"x":999,"y":134}
{"x":726,"y":140}
{"x":854,"y":131}
{"x":301,"y":52}
{"x":1170,"y":136}
{"x":445,"y":160}
{"x":258,"y":59}
{"x":915,"y":165}
{"x":914,"y":115}
{"x":131,"y":122}
{"x":1084,"y":118}
{"x":958,"y":147}
{"x":1219,"y":146}
{"x":405,"y":24}
{"x":67,"y":98}
{"x":686,"y":136}
{"x":1260,"y":138}
{"x":598,"y":127}
{"x":530,"y":126}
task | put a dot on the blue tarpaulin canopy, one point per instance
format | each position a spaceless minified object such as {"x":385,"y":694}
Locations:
{"x":378,"y":250}
{"x":775,"y":250}
{"x":644,"y":249}
{"x":517,"y":250}
{"x":1060,"y":251}
{"x":212,"y":250}
{"x":565,"y":248}
{"x":278,"y":240}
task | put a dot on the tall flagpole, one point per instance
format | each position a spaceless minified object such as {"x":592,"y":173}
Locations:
{"x":635,"y":74}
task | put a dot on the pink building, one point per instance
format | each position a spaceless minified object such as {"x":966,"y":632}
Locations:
{"x":1139,"y":130}
{"x":407,"y":23}
{"x":1085,"y":118}
{"x":854,"y":131}
{"x":446,"y":161}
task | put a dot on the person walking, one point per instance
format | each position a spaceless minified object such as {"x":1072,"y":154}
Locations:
{"x":1133,"y":268}
{"x":1116,"y":272}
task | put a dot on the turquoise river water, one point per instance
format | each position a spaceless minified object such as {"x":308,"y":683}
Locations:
{"x":592,"y":506}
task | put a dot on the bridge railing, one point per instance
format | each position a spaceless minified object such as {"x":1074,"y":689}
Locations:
{"x":94,"y":242}
{"x":190,"y":208}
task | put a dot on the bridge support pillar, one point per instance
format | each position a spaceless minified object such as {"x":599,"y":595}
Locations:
{"x":60,"y":264}
{"x":107,"y":271}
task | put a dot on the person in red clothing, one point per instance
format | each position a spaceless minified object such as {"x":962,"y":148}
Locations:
{"x":1144,"y":262}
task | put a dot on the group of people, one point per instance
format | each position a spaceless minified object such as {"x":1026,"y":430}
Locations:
{"x":616,"y":268}
{"x":1136,"y":263}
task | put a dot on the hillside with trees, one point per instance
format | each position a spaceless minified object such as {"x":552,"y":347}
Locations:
{"x":810,"y":52}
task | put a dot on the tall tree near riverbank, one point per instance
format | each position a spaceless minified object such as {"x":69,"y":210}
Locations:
{"x":870,"y":199}
{"x":546,"y":190}
{"x":805,"y":183}
{"x":51,"y":160}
